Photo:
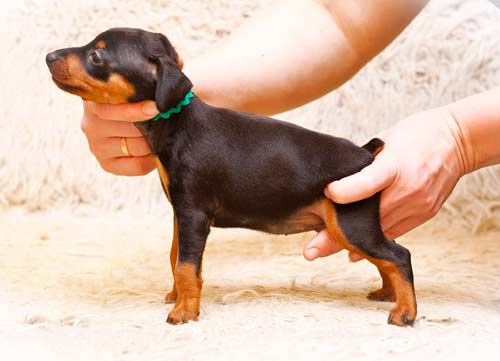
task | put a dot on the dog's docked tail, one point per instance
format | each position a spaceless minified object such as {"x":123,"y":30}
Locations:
{"x":374,"y":146}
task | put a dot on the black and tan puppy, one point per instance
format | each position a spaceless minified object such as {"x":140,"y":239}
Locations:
{"x":225,"y":168}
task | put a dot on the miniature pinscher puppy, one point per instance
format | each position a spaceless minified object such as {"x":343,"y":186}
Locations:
{"x":225,"y":168}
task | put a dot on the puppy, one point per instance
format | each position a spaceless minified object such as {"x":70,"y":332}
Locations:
{"x":224,"y":168}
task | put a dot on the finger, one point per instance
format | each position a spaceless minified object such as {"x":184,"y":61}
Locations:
{"x":321,"y":245}
{"x":130,"y":166}
{"x":126,"y":112}
{"x":405,"y":226}
{"x":95,"y":128}
{"x":112,"y":148}
{"x":372,"y":179}
{"x":398,"y":214}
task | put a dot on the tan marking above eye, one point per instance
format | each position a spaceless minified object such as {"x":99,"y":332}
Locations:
{"x":100,"y":44}
{"x":117,"y":89}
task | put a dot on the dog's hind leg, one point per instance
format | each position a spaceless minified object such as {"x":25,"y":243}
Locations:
{"x":356,"y":227}
{"x":384,"y":294}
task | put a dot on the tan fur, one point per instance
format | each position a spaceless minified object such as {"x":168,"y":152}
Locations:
{"x":406,"y":305}
{"x":163,"y":176}
{"x":385,"y":293}
{"x":116,"y":90}
{"x":188,"y":286}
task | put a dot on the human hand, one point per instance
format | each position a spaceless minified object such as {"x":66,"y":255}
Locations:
{"x":106,"y":124}
{"x":421,"y":163}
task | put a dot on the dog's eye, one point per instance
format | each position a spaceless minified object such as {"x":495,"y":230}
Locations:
{"x":95,"y":59}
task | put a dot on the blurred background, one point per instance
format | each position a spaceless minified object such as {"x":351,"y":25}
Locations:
{"x":72,"y":234}
{"x":450,"y":51}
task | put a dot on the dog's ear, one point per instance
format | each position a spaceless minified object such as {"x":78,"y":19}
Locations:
{"x":172,"y":85}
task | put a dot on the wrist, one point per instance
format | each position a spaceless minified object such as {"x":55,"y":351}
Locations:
{"x":463,"y":149}
{"x":478,"y":118}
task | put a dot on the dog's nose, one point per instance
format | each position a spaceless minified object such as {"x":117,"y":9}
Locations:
{"x":50,"y":58}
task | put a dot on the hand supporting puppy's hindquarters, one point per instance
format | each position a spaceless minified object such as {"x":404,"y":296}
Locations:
{"x":421,"y":163}
{"x":106,"y":124}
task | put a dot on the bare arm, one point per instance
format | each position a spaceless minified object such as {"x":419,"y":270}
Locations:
{"x":286,"y":55}
{"x":478,"y":119}
{"x":296,"y":51}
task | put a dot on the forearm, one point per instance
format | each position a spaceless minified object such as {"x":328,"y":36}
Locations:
{"x":478,"y":132}
{"x":296,"y":51}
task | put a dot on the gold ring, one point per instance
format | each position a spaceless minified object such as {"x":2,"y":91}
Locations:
{"x":124,"y":146}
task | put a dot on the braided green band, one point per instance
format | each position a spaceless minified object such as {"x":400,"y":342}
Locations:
{"x":176,"y":109}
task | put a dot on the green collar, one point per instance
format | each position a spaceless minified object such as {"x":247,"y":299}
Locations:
{"x":176,"y":109}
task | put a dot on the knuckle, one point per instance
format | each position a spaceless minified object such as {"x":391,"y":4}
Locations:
{"x":435,"y":209}
{"x":93,"y":109}
{"x":105,"y":165}
{"x":109,"y":166}
{"x":142,"y":167}
{"x":144,"y":147}
{"x":94,"y":148}
{"x":429,"y":203}
{"x":416,"y":190}
{"x":101,"y":110}
{"x":85,"y":125}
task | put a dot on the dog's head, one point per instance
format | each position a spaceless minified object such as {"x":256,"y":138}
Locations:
{"x":122,"y":65}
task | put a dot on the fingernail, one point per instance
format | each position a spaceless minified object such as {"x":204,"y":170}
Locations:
{"x":150,"y":109}
{"x":312,"y":253}
{"x":327,"y":192}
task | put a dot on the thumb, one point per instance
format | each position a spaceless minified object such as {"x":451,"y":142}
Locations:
{"x":370,"y":180}
{"x":127,"y":112}
{"x":321,"y":245}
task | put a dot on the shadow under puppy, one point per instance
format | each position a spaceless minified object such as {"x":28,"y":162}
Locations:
{"x":225,"y":168}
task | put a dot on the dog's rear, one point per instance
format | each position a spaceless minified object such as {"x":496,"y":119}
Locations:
{"x":231,"y":169}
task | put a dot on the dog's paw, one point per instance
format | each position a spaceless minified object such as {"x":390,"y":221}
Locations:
{"x":382,"y":295}
{"x":180,"y":314}
{"x":402,"y":316}
{"x":171,"y":296}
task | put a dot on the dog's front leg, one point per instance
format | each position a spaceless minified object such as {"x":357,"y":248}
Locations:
{"x":193,"y":228}
{"x":172,"y":295}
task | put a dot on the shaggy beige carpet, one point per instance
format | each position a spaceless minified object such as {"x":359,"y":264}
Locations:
{"x":92,"y":289}
{"x":84,"y":254}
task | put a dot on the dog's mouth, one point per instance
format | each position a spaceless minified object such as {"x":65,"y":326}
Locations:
{"x":69,"y":75}
{"x":66,"y":87}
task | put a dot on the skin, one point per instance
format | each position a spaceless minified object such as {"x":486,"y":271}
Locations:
{"x":279,"y":75}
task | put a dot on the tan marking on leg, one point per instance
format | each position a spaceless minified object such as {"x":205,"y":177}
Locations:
{"x":405,"y":310}
{"x":384,"y":294}
{"x":188,"y":285}
{"x":172,"y":295}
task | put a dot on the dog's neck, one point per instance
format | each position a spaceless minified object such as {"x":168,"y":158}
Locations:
{"x":160,"y":132}
{"x":175,"y":110}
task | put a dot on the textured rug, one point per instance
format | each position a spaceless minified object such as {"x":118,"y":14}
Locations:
{"x":76,"y":288}
{"x":84,"y":254}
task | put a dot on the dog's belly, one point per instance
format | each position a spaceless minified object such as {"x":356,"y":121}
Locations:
{"x":304,"y":220}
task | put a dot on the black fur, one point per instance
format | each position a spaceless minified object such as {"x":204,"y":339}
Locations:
{"x":233,"y":169}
